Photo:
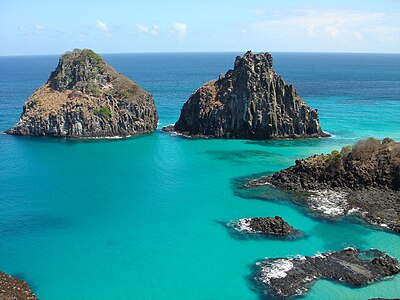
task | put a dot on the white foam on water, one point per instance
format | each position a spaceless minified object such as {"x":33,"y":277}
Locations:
{"x":275,"y":269}
{"x":242,"y":225}
{"x":328,"y":202}
{"x":352,"y":211}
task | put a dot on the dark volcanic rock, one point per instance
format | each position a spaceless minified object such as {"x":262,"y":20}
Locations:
{"x":286,"y":277}
{"x":363,"y":180}
{"x":85,"y":97}
{"x":268,"y":226}
{"x":249,"y":102}
{"x":12,"y":288}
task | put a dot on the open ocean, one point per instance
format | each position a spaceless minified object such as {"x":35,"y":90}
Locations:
{"x":143,"y":218}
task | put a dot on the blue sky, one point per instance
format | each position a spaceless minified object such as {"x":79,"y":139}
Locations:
{"x":53,"y":27}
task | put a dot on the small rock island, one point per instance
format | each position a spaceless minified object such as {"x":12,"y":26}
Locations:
{"x":361,"y":180}
{"x":12,"y":288}
{"x":85,"y":97}
{"x":249,"y":102}
{"x":266,"y":226}
{"x":288,"y":277}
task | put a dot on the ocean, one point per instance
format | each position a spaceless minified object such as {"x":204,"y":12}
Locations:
{"x":144,"y":217}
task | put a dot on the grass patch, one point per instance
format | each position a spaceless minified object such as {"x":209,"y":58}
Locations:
{"x":104,"y":112}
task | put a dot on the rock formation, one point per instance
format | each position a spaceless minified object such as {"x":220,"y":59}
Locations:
{"x":287,"y":277}
{"x":249,"y":102}
{"x":363,"y":180}
{"x":85,"y":97}
{"x":267,"y":226}
{"x":12,"y":288}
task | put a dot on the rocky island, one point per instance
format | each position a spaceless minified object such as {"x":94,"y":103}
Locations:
{"x":287,"y":277}
{"x":12,"y":288}
{"x":249,"y":102}
{"x":85,"y":97}
{"x":361,"y":180}
{"x":266,"y":226}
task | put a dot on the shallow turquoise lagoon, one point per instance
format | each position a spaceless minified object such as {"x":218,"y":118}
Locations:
{"x":143,"y":218}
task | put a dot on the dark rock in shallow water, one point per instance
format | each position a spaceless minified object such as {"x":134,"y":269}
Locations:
{"x":362,"y":180}
{"x":12,"y":288}
{"x":266,"y":226}
{"x":287,"y":277}
{"x":249,"y":102}
{"x":85,"y":97}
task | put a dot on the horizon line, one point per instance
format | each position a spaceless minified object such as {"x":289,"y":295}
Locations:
{"x":189,"y":52}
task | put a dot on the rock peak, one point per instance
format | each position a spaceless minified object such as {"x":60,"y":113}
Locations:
{"x":249,"y":58}
{"x":250,"y":102}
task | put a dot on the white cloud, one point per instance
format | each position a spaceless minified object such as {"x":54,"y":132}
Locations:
{"x":39,"y":27}
{"x":155,"y":29}
{"x":102,"y":26}
{"x":322,"y":23}
{"x":141,"y":28}
{"x":181,"y":29}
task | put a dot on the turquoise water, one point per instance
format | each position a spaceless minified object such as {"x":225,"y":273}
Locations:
{"x":142,"y":218}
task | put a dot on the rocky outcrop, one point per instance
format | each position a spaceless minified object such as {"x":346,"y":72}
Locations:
{"x":12,"y":288}
{"x":85,"y":97}
{"x":362,"y":180}
{"x":249,"y":102}
{"x":267,"y":226}
{"x":287,"y":277}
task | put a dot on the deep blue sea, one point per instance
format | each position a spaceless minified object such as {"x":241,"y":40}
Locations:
{"x":143,"y":218}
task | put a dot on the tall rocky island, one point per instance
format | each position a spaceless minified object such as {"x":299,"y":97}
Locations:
{"x":85,"y":97}
{"x":249,"y":102}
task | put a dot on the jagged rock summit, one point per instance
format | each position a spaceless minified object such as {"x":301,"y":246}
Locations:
{"x":85,"y":97}
{"x":249,"y":102}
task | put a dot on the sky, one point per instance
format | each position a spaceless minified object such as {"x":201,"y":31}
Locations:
{"x":122,"y":26}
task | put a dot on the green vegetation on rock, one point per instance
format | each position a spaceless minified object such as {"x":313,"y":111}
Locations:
{"x":103,"y":111}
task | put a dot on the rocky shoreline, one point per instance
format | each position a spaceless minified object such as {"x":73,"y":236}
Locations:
{"x":264,"y":226}
{"x":12,"y":288}
{"x":362,"y":180}
{"x":249,"y":102}
{"x":288,"y":277}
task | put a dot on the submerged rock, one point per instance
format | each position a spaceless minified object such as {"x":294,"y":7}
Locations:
{"x":267,"y":226}
{"x":249,"y":102}
{"x":362,"y":180}
{"x":287,"y":277}
{"x":12,"y":288}
{"x":85,"y":97}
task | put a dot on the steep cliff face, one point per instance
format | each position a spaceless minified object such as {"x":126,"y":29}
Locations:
{"x":85,"y":97}
{"x":250,"y":102}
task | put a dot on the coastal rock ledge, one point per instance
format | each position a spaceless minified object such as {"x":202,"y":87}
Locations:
{"x":361,"y":180}
{"x":288,"y":277}
{"x":12,"y":288}
{"x":85,"y":97}
{"x":249,"y":102}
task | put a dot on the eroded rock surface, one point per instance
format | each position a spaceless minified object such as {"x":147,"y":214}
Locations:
{"x":85,"y":97}
{"x":267,"y":226}
{"x":287,"y":277}
{"x":249,"y":102}
{"x":12,"y":288}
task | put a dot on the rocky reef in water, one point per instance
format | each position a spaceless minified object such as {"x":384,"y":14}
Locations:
{"x":12,"y":288}
{"x":288,"y":277}
{"x":361,"y":180}
{"x":266,"y":226}
{"x":85,"y":97}
{"x":249,"y":102}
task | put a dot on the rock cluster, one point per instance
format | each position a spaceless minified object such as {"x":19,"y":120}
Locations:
{"x":287,"y":277}
{"x":12,"y":288}
{"x":267,"y":226}
{"x":249,"y":102}
{"x":363,"y":180}
{"x":85,"y":97}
